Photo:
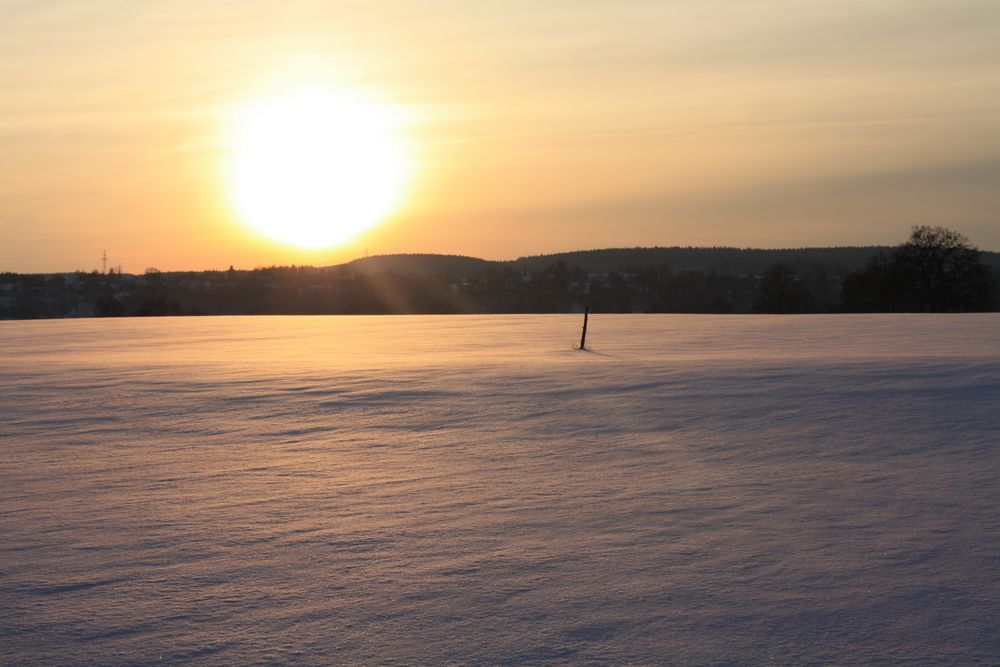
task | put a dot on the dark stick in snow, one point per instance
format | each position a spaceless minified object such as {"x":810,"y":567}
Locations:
{"x":583,"y":336}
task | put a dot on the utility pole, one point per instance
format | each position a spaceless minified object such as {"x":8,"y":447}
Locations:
{"x":104,"y":262}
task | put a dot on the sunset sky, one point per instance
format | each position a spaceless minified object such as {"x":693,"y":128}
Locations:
{"x":515,"y":127}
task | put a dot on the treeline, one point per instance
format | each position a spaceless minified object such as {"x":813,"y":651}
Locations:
{"x":935,"y":270}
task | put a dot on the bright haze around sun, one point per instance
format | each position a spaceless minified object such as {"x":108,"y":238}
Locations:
{"x":313,"y":166}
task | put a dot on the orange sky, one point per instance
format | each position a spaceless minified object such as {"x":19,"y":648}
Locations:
{"x":534,"y":127}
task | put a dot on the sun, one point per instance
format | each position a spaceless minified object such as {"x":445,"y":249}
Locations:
{"x":314,"y":167}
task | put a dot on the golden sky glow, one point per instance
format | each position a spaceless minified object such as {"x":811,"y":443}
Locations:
{"x":527,"y":127}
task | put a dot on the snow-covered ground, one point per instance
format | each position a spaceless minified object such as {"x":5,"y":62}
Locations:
{"x":471,"y":490}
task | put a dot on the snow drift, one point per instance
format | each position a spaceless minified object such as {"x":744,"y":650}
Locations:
{"x":367,"y":490}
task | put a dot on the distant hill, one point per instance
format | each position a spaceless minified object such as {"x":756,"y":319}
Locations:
{"x":991,"y":259}
{"x":420,"y":265}
{"x":723,"y":260}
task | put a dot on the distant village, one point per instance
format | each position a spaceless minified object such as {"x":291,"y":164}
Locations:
{"x":345,"y":290}
{"x":720,"y":280}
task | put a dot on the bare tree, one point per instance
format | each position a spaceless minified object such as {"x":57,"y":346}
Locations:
{"x":781,"y":290}
{"x":942,"y":271}
{"x":936,"y":270}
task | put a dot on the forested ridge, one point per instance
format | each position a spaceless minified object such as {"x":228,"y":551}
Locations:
{"x":934,"y":270}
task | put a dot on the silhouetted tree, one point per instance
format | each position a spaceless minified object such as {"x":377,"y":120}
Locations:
{"x":158,"y":306}
{"x":109,"y":306}
{"x":780,"y":291}
{"x":942,"y":272}
{"x":936,"y":270}
{"x":876,"y":288}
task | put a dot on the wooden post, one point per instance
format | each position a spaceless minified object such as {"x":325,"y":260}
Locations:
{"x":583,"y":337}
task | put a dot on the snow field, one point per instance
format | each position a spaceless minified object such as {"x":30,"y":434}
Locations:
{"x":470,"y":490}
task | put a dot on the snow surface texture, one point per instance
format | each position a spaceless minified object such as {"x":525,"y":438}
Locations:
{"x":471,"y":490}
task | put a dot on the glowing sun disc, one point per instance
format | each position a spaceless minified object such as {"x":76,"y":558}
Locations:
{"x":313,"y":168}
